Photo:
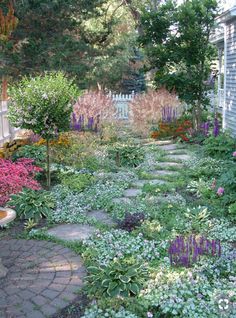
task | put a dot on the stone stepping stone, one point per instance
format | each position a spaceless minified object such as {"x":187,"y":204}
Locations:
{"x":131,"y":193}
{"x":101,"y":216}
{"x":178,"y":157}
{"x":141,"y":183}
{"x":163,"y":173}
{"x":168,"y":147}
{"x":158,"y":142}
{"x":177,"y":152}
{"x":121,"y":200}
{"x":169,"y":164}
{"x":72,"y":232}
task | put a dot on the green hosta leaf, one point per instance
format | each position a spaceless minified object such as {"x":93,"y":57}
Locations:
{"x":135,"y":288}
{"x":105,"y":283}
{"x":94,"y":270}
{"x":131,"y":272}
{"x":114,"y":291}
{"x":112,"y":285}
{"x":124,"y":279}
{"x":125,"y":293}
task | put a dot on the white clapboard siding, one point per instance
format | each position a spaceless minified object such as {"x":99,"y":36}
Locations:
{"x":230,"y":77}
{"x":122,"y":104}
{"x":6,"y":131}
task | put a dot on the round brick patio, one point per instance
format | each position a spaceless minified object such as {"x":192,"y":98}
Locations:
{"x":42,"y":278}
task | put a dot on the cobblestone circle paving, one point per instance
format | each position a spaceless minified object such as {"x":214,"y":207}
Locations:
{"x":42,"y":278}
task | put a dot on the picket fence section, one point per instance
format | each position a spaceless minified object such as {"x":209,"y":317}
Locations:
{"x":121,"y":102}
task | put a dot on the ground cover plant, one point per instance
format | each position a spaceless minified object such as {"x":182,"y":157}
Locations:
{"x":174,"y":241}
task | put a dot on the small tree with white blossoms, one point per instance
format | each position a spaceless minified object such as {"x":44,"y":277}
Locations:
{"x":43,"y":104}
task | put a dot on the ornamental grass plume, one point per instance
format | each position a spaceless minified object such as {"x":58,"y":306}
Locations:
{"x":14,"y":176}
{"x":146,"y":109}
{"x":91,"y":110}
{"x":186,"y":251}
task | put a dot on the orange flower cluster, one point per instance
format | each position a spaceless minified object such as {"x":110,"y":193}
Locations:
{"x":63,"y":140}
{"x":174,"y":129}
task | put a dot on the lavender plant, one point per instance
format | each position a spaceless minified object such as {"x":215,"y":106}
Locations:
{"x":186,"y":251}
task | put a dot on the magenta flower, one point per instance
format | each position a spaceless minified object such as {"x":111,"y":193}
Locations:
{"x":234,"y":154}
{"x":220,"y":191}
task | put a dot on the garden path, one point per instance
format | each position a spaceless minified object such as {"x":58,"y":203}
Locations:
{"x":173,"y":159}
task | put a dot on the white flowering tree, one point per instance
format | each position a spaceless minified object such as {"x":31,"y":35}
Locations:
{"x":44,"y":105}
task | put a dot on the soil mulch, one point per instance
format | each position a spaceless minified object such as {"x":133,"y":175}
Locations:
{"x":75,"y":309}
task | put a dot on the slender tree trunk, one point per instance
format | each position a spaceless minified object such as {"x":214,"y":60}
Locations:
{"x":48,"y":173}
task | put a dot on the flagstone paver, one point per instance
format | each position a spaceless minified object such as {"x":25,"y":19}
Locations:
{"x":121,"y":200}
{"x":141,"y":183}
{"x":167,"y":147}
{"x":130,"y":193}
{"x":182,"y":157}
{"x":163,"y":173}
{"x":72,"y":232}
{"x":42,"y":278}
{"x":167,"y":164}
{"x":101,"y":216}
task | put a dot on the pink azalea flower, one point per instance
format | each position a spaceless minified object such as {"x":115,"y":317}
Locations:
{"x":220,"y":191}
{"x":234,"y":154}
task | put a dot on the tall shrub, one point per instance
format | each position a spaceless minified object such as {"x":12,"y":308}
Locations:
{"x":146,"y":110}
{"x":43,"y":104}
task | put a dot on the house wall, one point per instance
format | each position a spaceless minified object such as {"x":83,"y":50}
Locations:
{"x":230,"y":78}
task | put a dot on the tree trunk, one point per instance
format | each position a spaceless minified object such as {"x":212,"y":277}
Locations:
{"x":48,"y":173}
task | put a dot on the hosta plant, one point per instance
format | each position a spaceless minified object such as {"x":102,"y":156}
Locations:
{"x":30,"y":204}
{"x":126,"y":155}
{"x":119,"y":278}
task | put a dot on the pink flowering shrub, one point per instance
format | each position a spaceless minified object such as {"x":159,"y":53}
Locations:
{"x":14,"y":176}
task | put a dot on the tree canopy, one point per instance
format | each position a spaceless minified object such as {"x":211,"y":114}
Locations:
{"x":92,"y":40}
{"x":176,"y":42}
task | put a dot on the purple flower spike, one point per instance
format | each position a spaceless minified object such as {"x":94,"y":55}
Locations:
{"x":216,"y":128}
{"x":186,"y":251}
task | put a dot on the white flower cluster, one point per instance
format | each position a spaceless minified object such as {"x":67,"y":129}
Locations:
{"x":94,"y":311}
{"x":120,"y":244}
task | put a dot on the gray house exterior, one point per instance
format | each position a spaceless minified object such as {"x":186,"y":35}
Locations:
{"x":225,"y":40}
